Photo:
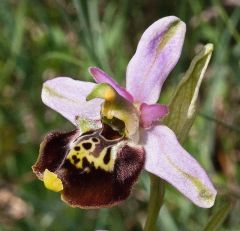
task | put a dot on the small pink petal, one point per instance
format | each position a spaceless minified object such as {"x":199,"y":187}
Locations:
{"x":102,"y":77}
{"x":166,"y":158}
{"x":157,"y":53}
{"x":68,"y":97}
{"x":151,"y":113}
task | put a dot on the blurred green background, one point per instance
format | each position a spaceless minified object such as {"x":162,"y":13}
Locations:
{"x":43,"y":39}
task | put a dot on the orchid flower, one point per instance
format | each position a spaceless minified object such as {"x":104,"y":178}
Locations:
{"x":119,"y":131}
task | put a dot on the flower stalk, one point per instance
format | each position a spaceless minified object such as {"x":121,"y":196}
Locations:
{"x":157,"y":189}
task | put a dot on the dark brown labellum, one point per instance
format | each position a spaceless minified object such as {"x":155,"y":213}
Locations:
{"x":97,"y":169}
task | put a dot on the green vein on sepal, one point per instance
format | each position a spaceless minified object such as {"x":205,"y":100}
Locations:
{"x":54,"y":93}
{"x":203,"y":192}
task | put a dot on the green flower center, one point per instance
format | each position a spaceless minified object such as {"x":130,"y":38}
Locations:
{"x":117,"y":112}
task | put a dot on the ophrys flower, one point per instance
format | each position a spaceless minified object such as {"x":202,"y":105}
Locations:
{"x":118,"y":130}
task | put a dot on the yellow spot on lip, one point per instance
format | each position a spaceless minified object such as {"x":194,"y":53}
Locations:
{"x":96,"y":161}
{"x":51,"y":181}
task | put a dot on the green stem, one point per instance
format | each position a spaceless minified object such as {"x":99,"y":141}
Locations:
{"x":224,"y":124}
{"x":155,"y":202}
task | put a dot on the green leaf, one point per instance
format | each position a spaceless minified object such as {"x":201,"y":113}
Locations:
{"x":182,"y":108}
{"x":62,"y":57}
{"x":218,"y":218}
